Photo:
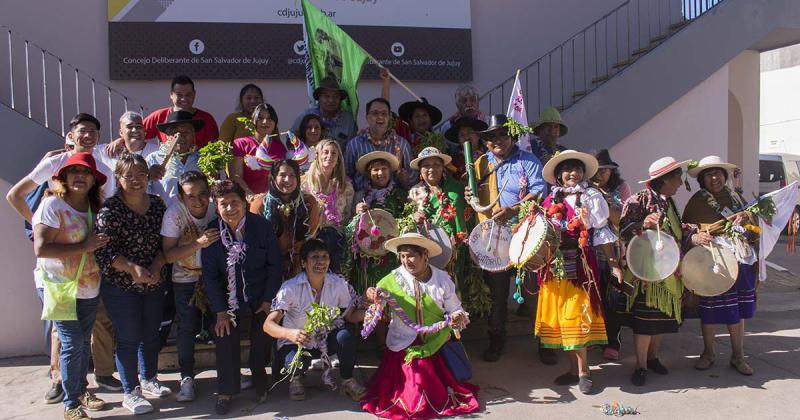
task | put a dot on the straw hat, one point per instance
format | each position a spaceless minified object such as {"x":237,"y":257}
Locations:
{"x":664,"y":166}
{"x":364,"y":161}
{"x":550,"y":115}
{"x":85,"y":160}
{"x":710,"y":162}
{"x":428,"y":152}
{"x":589,"y":162}
{"x":413,"y":238}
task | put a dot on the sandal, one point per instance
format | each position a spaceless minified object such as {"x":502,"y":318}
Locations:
{"x":706,"y":361}
{"x":741,"y":366}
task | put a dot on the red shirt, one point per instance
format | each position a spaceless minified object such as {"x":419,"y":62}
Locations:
{"x":208,"y":133}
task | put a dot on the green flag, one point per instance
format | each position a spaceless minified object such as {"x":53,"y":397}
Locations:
{"x":330,"y":52}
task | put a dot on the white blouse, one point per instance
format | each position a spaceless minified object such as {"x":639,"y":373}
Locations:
{"x":440,"y":288}
{"x":597,"y":211}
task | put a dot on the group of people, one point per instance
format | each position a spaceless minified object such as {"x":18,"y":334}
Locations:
{"x":123,"y":230}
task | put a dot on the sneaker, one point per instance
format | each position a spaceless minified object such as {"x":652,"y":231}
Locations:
{"x":90,"y":402}
{"x":656,"y":366}
{"x":223,"y":406}
{"x":55,"y":394}
{"x":352,"y":388}
{"x":639,"y":377}
{"x":154,"y":388}
{"x":186,"y":393}
{"x":585,"y":385}
{"x":297,"y":392}
{"x":135,"y":402}
{"x":75,"y":414}
{"x":109,"y":383}
{"x":497,"y":345}
{"x":245,"y":382}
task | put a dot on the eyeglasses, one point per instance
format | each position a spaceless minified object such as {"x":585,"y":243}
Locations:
{"x":376,"y":114}
{"x":141,"y":176}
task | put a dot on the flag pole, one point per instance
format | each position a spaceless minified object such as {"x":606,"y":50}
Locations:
{"x":399,"y":82}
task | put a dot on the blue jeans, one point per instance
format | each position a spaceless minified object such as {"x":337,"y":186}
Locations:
{"x":341,"y":342}
{"x":136,"y":318}
{"x":48,"y":325}
{"x":188,"y":318}
{"x":76,"y":338}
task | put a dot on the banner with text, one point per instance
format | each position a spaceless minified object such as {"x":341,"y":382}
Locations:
{"x":263,"y":39}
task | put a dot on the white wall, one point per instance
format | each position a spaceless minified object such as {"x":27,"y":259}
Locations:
{"x":718,"y":117}
{"x":780,"y":110}
{"x":506,"y":34}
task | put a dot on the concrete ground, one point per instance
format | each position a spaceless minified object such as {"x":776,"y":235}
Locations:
{"x":519,"y":386}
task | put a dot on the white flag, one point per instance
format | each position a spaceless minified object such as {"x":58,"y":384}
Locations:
{"x":516,"y":110}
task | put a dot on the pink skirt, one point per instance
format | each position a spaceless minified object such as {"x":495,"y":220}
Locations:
{"x":422,"y":389}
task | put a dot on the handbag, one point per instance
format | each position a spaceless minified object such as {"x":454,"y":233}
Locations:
{"x":455,"y":357}
{"x":61,"y":295}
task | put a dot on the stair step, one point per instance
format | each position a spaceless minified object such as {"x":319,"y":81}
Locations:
{"x":600,"y":79}
{"x":642,"y":50}
{"x":657,"y":39}
{"x":578,"y":94}
{"x":623,"y":63}
{"x":678,"y":25}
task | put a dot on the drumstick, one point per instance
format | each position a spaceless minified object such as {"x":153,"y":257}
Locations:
{"x":491,"y":233}
{"x":368,"y":213}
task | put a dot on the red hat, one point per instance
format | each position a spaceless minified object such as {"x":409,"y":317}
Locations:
{"x":83,"y":159}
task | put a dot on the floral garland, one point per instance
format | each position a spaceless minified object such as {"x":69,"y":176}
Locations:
{"x":236,"y":255}
{"x":375,"y":313}
{"x":329,"y":203}
{"x":385,"y":142}
{"x":378,"y":195}
{"x":557,"y":213}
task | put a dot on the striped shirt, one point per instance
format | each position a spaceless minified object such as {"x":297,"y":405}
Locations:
{"x":360,"y":145}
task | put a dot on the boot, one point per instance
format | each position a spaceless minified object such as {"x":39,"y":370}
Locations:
{"x":497,"y":345}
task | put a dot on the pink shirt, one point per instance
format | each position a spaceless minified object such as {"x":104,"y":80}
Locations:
{"x":256,"y":179}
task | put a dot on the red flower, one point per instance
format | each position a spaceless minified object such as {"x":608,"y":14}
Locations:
{"x":448,"y":212}
{"x":468,"y":213}
{"x":461,"y":238}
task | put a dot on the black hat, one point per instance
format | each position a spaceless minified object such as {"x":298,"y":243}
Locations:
{"x":180,"y":117}
{"x":604,"y":159}
{"x":452,"y":132}
{"x":496,"y":122}
{"x":407,"y":109}
{"x":329,"y":83}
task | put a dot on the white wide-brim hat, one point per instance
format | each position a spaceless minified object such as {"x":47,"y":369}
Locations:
{"x":710,"y":162}
{"x":589,"y":162}
{"x":430,"y":152}
{"x":364,"y":161}
{"x":413,"y":238}
{"x":664,"y":166}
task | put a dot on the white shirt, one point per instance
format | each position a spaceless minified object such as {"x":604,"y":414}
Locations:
{"x":296,"y":295}
{"x":176,"y":224}
{"x":73,"y":227}
{"x":597,"y":210}
{"x":440,"y":288}
{"x":150,"y":146}
{"x":46,"y":168}
{"x":167,"y":187}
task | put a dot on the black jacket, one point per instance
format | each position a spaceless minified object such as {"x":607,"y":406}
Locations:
{"x":262,"y":269}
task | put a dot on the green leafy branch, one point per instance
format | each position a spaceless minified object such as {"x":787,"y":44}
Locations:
{"x":515,"y":129}
{"x":213,"y":158}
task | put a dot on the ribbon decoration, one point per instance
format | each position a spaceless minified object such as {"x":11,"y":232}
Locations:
{"x":236,"y":254}
{"x":375,"y":312}
{"x":264,"y":159}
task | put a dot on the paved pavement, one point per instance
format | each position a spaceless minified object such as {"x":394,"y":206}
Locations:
{"x":520,"y":387}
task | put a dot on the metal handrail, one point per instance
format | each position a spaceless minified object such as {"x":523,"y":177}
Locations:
{"x":597,"y":53}
{"x":38,"y":108}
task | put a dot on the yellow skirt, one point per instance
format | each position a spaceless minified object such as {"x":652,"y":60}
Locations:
{"x":565,"y":319}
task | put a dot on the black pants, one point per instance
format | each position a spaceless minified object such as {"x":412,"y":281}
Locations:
{"x":229,"y":353}
{"x":499,"y":285}
{"x":613,"y":304}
